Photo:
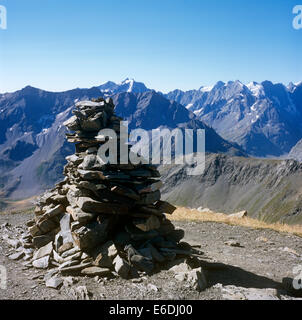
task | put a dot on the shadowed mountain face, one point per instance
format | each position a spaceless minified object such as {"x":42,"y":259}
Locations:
{"x":270,"y":190}
{"x":264,"y":119}
{"x":32,"y":135}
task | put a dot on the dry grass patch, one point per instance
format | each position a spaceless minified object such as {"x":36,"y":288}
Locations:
{"x":184,"y":214}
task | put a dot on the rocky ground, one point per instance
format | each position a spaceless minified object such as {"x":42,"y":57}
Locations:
{"x":238,"y":263}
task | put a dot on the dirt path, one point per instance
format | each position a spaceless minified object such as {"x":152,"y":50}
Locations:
{"x":260,"y":259}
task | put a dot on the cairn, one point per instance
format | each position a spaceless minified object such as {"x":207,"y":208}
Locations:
{"x":103,"y":218}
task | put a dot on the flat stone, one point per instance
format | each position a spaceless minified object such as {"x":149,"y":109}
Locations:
{"x":41,"y":241}
{"x":127,"y":192}
{"x":55,"y":211}
{"x":121,"y":266}
{"x":65,"y":229}
{"x":155,"y":254}
{"x":91,"y":175}
{"x":89,"y":236}
{"x":67,"y":264}
{"x":46,"y":224}
{"x":44,"y":251}
{"x":70,"y":252}
{"x":79,"y":215}
{"x":96,"y":271}
{"x":151,"y":223}
{"x":142,"y":263}
{"x":54,"y":282}
{"x":102,"y":260}
{"x":165,"y":207}
{"x":72,"y":123}
{"x":149,"y":198}
{"x":65,"y":247}
{"x":41,"y":263}
{"x":91,"y":162}
{"x":57,"y":257}
{"x":16,"y":256}
{"x":76,"y":267}
{"x":90,"y":205}
{"x":139,"y":235}
{"x":76,"y":256}
{"x":181,"y":267}
{"x":35,"y":231}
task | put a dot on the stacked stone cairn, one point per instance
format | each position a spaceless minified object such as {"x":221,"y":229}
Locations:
{"x":103,"y":219}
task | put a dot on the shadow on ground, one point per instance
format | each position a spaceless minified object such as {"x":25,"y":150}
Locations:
{"x":231,"y":275}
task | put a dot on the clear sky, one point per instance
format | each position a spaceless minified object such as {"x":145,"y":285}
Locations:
{"x":167,"y":44}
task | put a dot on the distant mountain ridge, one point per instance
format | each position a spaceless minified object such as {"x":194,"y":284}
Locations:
{"x":32,"y":135}
{"x":263,"y":118}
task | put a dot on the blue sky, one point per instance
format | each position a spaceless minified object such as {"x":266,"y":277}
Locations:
{"x":167,"y":44}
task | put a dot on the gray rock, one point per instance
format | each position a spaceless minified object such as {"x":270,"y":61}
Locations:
{"x":16,"y":256}
{"x":155,"y":254}
{"x":65,"y":247}
{"x":54,"y":282}
{"x":142,"y":263}
{"x":67,"y":264}
{"x":96,"y":271}
{"x":44,"y":251}
{"x":121,"y":267}
{"x":41,"y":263}
{"x":41,"y":241}
{"x":102,"y":260}
{"x":70,"y":252}
{"x":152,"y":287}
{"x":238,"y":215}
{"x":13,"y":243}
{"x":195,"y":278}
{"x":76,"y":256}
{"x":89,"y":162}
{"x":55,"y":211}
{"x":232,"y":243}
{"x":74,"y":267}
{"x":79,"y":215}
{"x":181,"y":267}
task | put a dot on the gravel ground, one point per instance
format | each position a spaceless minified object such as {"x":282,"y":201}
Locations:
{"x":235,"y":260}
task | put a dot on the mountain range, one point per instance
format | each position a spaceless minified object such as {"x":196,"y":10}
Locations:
{"x":262,"y":120}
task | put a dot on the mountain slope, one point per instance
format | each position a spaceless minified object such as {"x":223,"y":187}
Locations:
{"x":269,"y":190}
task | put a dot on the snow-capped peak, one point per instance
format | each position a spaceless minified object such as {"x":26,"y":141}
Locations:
{"x":256,"y":88}
{"x":206,"y":89}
